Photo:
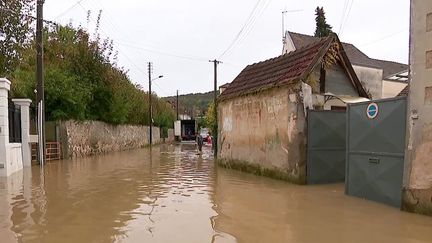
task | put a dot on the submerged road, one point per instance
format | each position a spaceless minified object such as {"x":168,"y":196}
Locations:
{"x":170,"y":194}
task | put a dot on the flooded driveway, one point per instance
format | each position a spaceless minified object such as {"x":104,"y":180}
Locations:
{"x":170,"y":194}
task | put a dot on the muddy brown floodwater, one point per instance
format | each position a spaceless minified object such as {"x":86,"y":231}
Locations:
{"x":172,"y":195}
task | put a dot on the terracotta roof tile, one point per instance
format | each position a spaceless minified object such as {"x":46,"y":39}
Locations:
{"x":282,"y":70}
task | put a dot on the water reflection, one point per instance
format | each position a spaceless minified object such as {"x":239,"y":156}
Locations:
{"x":256,"y":209}
{"x":171,"y":194}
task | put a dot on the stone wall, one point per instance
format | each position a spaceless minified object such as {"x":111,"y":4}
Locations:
{"x":264,"y":133}
{"x":418,"y":172}
{"x":80,"y":139}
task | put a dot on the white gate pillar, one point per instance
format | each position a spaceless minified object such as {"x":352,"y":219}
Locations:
{"x":24,"y":105}
{"x":4,"y":125}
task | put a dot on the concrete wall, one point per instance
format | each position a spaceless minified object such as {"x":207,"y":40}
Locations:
{"x":371,"y":78}
{"x":87,"y":138}
{"x":418,"y":160}
{"x":392,"y":89}
{"x":264,"y":131}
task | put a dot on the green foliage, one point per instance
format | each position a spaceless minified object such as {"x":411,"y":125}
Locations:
{"x":322,"y":28}
{"x":15,"y":29}
{"x":83,"y":81}
{"x":209,"y":118}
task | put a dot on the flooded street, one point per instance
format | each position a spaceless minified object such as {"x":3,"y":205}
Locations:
{"x":173,"y":195}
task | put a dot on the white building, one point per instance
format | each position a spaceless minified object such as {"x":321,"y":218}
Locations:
{"x":382,"y":79}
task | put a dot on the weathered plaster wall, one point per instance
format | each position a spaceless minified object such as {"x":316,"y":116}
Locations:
{"x":80,"y":139}
{"x":371,"y":78}
{"x":266,"y":131}
{"x":418,"y":173}
{"x":392,"y":89}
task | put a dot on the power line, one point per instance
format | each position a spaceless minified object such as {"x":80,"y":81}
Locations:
{"x":345,"y":7}
{"x":129,"y":59}
{"x":69,"y":9}
{"x":251,"y":27}
{"x":163,"y":52}
{"x":27,"y":15}
{"x":111,"y":24}
{"x":248,"y":21}
{"x":383,"y":38}
{"x":347,"y":17}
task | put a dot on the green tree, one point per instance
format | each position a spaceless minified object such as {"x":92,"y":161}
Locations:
{"x":322,"y":28}
{"x":15,"y":32}
{"x":210,"y":120}
{"x":84,"y":82}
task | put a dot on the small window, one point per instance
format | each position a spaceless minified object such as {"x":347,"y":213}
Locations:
{"x":428,"y":95}
{"x":429,"y":22}
{"x":429,"y":59}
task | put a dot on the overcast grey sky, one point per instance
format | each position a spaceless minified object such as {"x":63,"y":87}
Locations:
{"x":179,"y":37}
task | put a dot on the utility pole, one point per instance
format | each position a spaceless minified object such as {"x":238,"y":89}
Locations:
{"x":150,"y":103}
{"x":215,"y":128}
{"x":150,"y":70}
{"x":40,"y":96}
{"x":177,"y":105}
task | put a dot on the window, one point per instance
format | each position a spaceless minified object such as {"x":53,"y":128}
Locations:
{"x":428,"y":95}
{"x":429,"y":22}
{"x":429,"y":59}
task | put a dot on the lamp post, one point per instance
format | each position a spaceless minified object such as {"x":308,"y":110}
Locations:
{"x":150,"y":105}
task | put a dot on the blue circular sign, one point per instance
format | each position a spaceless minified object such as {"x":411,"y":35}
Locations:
{"x":372,"y":110}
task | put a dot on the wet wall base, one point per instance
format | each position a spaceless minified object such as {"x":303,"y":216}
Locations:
{"x":296,"y":176}
{"x":417,"y":201}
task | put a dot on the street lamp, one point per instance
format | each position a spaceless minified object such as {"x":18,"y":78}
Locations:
{"x":150,"y":107}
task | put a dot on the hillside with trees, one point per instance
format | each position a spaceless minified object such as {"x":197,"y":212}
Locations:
{"x":194,"y":105}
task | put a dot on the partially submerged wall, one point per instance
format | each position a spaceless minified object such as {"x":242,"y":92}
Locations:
{"x":264,"y":133}
{"x":80,"y":139}
{"x":418,"y":172}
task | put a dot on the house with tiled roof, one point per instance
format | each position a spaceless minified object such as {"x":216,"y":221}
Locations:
{"x":262,"y":112}
{"x":382,"y":79}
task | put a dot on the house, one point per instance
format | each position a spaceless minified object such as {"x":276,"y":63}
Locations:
{"x":262,"y":113}
{"x":383,"y":79}
{"x":418,"y":163}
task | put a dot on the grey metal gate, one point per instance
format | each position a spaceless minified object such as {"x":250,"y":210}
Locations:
{"x":326,"y":147}
{"x":375,"y":150}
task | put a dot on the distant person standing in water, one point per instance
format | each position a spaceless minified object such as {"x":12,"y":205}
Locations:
{"x":200,"y":141}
